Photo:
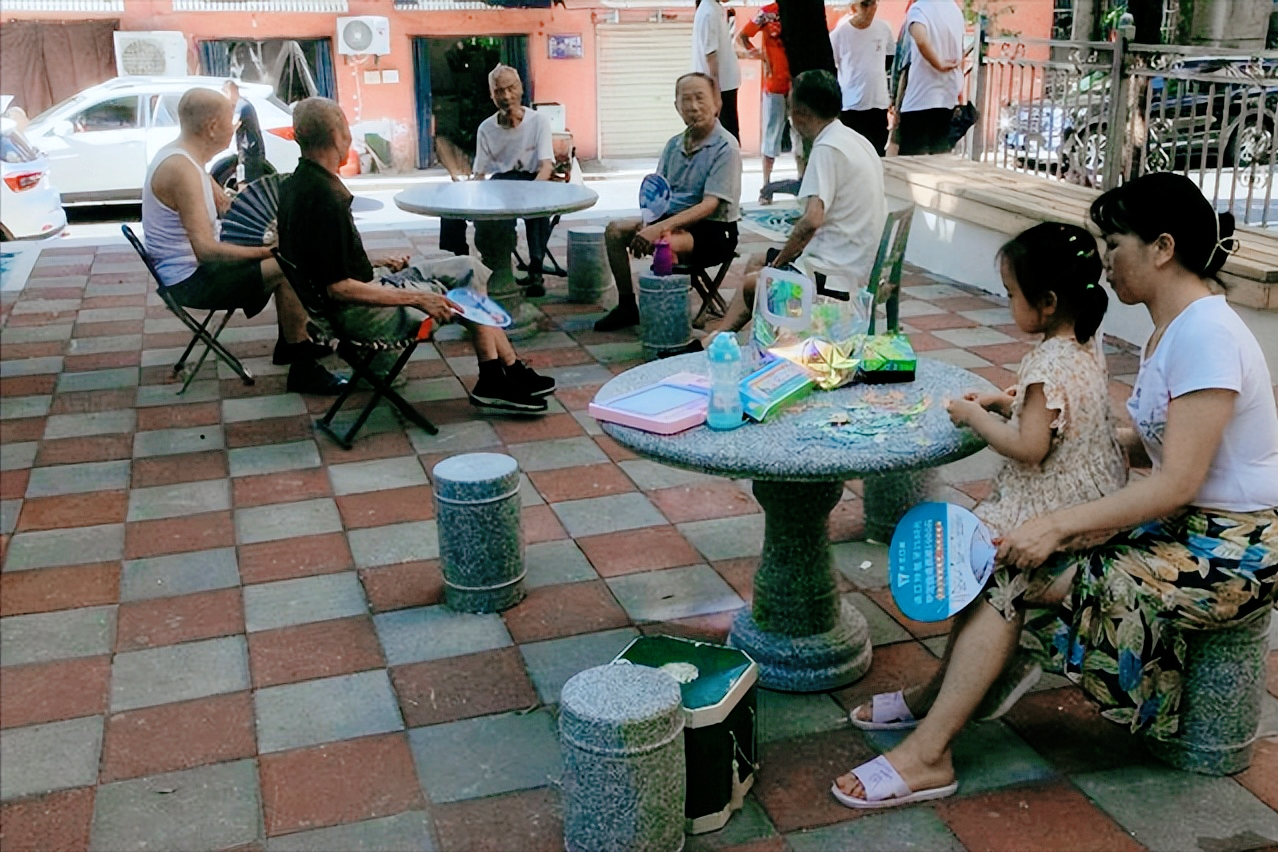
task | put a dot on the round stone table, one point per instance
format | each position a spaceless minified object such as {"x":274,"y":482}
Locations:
{"x":486,"y":202}
{"x":799,"y":631}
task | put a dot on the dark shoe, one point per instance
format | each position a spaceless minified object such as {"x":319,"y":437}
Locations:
{"x":529,"y":380}
{"x":533,"y":287}
{"x":505,"y":395}
{"x":310,"y":378}
{"x":294,"y":353}
{"x":624,"y":315}
{"x":694,"y":346}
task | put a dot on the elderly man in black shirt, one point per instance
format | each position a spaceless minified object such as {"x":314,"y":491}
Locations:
{"x":317,"y":233}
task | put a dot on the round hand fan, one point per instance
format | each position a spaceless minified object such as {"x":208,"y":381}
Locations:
{"x":251,"y":219}
{"x":940,"y":558}
{"x":654,"y":198}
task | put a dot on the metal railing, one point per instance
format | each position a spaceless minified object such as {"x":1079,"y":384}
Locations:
{"x":1051,"y":108}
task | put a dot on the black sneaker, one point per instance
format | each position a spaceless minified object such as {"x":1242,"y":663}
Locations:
{"x":505,"y":395}
{"x":309,"y":377}
{"x":534,"y":286}
{"x":529,"y":380}
{"x":624,"y":315}
{"x":294,"y":353}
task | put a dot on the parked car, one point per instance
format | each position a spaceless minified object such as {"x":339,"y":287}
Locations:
{"x":1217,"y":109}
{"x":100,"y":141}
{"x":29,"y":205}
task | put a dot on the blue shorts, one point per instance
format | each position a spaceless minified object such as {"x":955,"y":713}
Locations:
{"x":774,"y":115}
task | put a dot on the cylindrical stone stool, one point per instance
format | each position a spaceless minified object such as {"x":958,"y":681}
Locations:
{"x":481,"y":549}
{"x":625,"y":774}
{"x":664,"y":323}
{"x":1221,"y":699}
{"x":588,"y":273}
{"x":888,"y":496}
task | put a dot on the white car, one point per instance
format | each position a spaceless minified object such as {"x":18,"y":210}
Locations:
{"x":29,"y":205}
{"x":100,"y":141}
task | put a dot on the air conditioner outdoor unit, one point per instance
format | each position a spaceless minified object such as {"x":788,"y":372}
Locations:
{"x":150,"y":54}
{"x":363,"y":34}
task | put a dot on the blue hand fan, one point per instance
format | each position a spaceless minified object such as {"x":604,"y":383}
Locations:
{"x":478,"y":308}
{"x":654,"y":198}
{"x":940,"y":559}
{"x":250,"y":221}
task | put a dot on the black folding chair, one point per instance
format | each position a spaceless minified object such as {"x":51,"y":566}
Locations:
{"x":200,"y":330}
{"x":712,"y":304}
{"x":549,"y":265}
{"x":360,"y":355}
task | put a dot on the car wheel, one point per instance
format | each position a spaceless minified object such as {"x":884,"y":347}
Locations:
{"x":1249,"y":150}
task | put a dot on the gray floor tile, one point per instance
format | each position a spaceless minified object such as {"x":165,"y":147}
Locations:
{"x":274,"y":458}
{"x":982,"y":465}
{"x":674,"y":593}
{"x":726,"y":538}
{"x":650,"y":476}
{"x":175,"y":501}
{"x":394,"y":543}
{"x":19,"y":407}
{"x":613,"y":513}
{"x":957,"y":357}
{"x":79,"y":478}
{"x":989,"y":316}
{"x":487,"y":756}
{"x":77,"y":546}
{"x":257,"y":366}
{"x":250,"y":334}
{"x":907,"y":828}
{"x":167,"y":442}
{"x":179,"y":574}
{"x":551,"y":455}
{"x":464,"y":437}
{"x":303,"y":600}
{"x":36,"y":333}
{"x":262,"y":407}
{"x":92,"y":315}
{"x":120,"y":377}
{"x":406,"y":832}
{"x":1217,"y":809}
{"x":207,"y":808}
{"x":325,"y":710}
{"x":884,"y":629}
{"x":201,"y":390}
{"x":108,"y":343}
{"x":987,"y":756}
{"x":54,"y":756}
{"x":616,"y":353}
{"x":552,"y":562}
{"x":45,"y":306}
{"x":376,"y":475}
{"x":50,"y":365}
{"x":918,"y":308}
{"x":551,"y":663}
{"x":578,"y":375}
{"x":435,"y":632}
{"x":19,"y":456}
{"x":965,"y":337}
{"x":547,"y":340}
{"x":590,"y":424}
{"x":851,"y":558}
{"x":287,"y":520}
{"x":9,"y":512}
{"x":434,"y":390}
{"x":179,"y":673}
{"x":45,"y":636}
{"x":933,"y":291}
{"x":94,"y":423}
{"x":783,"y":715}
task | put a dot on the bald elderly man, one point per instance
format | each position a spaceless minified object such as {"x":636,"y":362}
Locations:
{"x":181,"y":203}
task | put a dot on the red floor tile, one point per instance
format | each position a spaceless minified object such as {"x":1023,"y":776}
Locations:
{"x":551,"y":358}
{"x":1067,"y":729}
{"x":579,"y":483}
{"x":401,"y":586}
{"x":1261,"y":778}
{"x":552,"y":611}
{"x":49,"y":692}
{"x":188,"y":467}
{"x":375,"y":445}
{"x":998,"y":376}
{"x":739,"y":574}
{"x":308,"y":651}
{"x":463,"y":687}
{"x":64,"y":587}
{"x":285,"y":487}
{"x":615,"y":451}
{"x":392,"y":506}
{"x":528,"y":821}
{"x":44,"y":349}
{"x":896,"y":666}
{"x":179,"y":416}
{"x":264,"y":385}
{"x":432,"y":369}
{"x":1002,"y":353}
{"x":793,"y":783}
{"x":938,"y":322}
{"x":537,"y":428}
{"x":647,"y":549}
{"x":295,"y":557}
{"x":1272,"y":678}
{"x":540,"y":524}
{"x":94,"y":302}
{"x":918,"y":629}
{"x":274,"y":430}
{"x":965,"y":303}
{"x":1052,"y":817}
{"x":978,"y":490}
{"x":847,"y":521}
{"x":28,"y":385}
{"x":87,"y":402}
{"x":576,"y":399}
{"x":700,"y":628}
{"x":338,"y":783}
{"x":101,"y":361}
{"x":185,"y":618}
{"x":178,"y":736}
{"x":13,"y":485}
{"x":73,"y":510}
{"x":178,"y":535}
{"x":93,"y":448}
{"x":26,"y":429}
{"x":57,"y":822}
{"x":685,"y":503}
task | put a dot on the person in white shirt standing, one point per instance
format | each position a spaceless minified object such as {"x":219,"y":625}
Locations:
{"x":714,"y":54}
{"x":862,"y":49}
{"x":935,"y":76}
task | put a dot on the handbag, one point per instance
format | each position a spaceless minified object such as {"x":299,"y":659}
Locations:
{"x":964,"y":116}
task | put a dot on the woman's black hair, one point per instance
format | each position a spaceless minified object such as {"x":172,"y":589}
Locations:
{"x":1058,"y":259}
{"x":1169,"y":203}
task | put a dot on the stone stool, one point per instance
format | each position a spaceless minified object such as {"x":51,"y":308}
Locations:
{"x":621,"y":728}
{"x":481,"y":549}
{"x":588,"y":274}
{"x":664,"y":323}
{"x":1220,"y":705}
{"x":888,"y":496}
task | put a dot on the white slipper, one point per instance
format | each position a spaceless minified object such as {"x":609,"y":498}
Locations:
{"x":888,"y":712}
{"x":884,"y":787}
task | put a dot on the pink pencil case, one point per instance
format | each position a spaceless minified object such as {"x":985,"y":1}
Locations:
{"x":672,"y":405}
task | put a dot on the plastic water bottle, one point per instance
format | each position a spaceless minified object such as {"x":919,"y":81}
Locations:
{"x":724,"y":356}
{"x":662,"y":258}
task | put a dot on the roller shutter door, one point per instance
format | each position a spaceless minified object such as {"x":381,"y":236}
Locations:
{"x":638,"y":65}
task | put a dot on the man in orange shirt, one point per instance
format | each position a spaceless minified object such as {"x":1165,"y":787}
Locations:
{"x":776,"y":84}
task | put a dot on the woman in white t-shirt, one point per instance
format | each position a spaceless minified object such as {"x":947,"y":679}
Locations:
{"x":1197,"y":539}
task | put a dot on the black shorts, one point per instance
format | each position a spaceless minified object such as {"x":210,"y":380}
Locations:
{"x":223,"y":285}
{"x":712,"y":242}
{"x":925,"y":131}
{"x":870,"y":123}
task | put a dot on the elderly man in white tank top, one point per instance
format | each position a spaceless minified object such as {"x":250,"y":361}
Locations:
{"x":180,"y":204}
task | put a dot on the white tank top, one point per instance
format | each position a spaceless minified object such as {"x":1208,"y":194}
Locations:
{"x":165,"y":238}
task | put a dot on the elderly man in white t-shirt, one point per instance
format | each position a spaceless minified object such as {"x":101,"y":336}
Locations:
{"x":863,"y":47}
{"x":934,"y":79}
{"x":837,"y":237}
{"x":714,"y":54}
{"x":515,"y":143}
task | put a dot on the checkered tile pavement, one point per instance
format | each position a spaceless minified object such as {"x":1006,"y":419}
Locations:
{"x":218,"y":630}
